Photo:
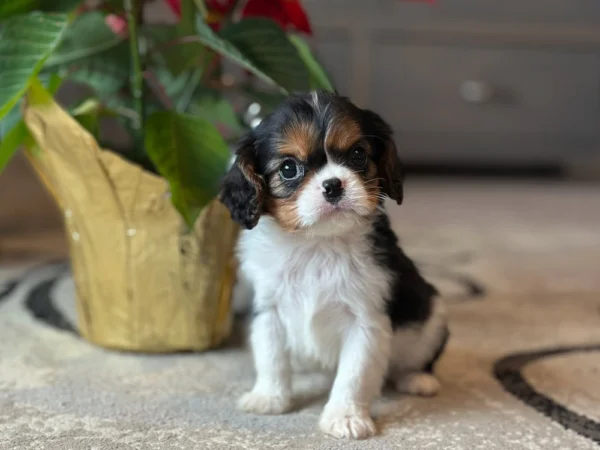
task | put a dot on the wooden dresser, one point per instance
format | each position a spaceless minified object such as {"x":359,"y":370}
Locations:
{"x":471,"y":81}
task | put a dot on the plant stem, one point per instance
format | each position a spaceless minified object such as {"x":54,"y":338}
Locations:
{"x":202,"y":8}
{"x":235,"y":13}
{"x":137,"y":77}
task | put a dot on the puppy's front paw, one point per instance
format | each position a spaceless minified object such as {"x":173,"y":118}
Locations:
{"x":347,"y":423}
{"x":261,"y":403}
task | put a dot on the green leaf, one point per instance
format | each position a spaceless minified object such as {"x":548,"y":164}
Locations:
{"x":93,"y":55}
{"x":106,"y":72}
{"x":318,"y":77}
{"x":214,"y":107}
{"x":182,"y":56}
{"x":25,"y":44}
{"x":191,"y":154}
{"x":10,"y":120}
{"x":260,"y":46}
{"x":11,"y":143}
{"x":172,"y":85}
{"x":265,"y":43}
{"x":13,"y":131}
{"x":88,"y":106}
{"x":9,"y":8}
{"x":179,"y":89}
{"x":184,"y":97}
{"x":167,"y":45}
{"x":52,"y":83}
{"x":88,"y":35}
{"x":38,"y":94}
{"x":88,"y":114}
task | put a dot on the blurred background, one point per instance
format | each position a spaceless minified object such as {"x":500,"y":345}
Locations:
{"x":509,"y":85}
{"x":496,"y":90}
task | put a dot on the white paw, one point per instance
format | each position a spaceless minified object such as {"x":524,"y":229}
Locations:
{"x":347,"y":424}
{"x":422,"y":384}
{"x":260,"y":403}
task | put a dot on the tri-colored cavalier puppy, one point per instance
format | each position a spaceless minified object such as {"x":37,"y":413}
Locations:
{"x":332,"y":289}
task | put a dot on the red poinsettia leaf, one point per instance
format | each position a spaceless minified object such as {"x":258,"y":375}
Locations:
{"x":287,"y":13}
{"x":175,"y":6}
{"x":265,"y":8}
{"x":297,"y":16}
{"x":220,"y":6}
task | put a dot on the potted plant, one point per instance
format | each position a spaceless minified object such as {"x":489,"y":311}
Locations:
{"x":151,"y":248}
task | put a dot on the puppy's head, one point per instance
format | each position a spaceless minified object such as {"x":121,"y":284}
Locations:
{"x":317,"y":163}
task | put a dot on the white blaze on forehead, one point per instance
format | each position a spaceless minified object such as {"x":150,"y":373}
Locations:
{"x":315,"y":100}
{"x":321,"y":108}
{"x":331,"y":170}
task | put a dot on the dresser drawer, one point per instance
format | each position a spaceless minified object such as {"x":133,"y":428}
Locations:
{"x":423,"y":13}
{"x":541,"y":11}
{"x":427,"y":88}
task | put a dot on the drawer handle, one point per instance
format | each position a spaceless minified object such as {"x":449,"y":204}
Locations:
{"x":477,"y":92}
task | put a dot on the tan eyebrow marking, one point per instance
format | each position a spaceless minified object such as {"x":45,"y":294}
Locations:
{"x":342,"y":132}
{"x":299,"y":139}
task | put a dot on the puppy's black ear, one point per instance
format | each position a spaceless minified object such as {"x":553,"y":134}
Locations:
{"x":242,"y":189}
{"x":389,"y":166}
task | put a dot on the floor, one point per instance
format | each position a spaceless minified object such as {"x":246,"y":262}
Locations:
{"x":517,"y":263}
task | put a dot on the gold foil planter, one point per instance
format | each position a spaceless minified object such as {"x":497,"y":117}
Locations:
{"x":143,"y":282}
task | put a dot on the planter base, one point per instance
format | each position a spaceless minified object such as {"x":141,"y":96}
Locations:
{"x":144,"y":282}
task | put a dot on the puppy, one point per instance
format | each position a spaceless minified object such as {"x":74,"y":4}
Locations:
{"x":331,"y":287}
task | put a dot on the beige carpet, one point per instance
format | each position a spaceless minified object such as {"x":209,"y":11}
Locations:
{"x":518,"y":265}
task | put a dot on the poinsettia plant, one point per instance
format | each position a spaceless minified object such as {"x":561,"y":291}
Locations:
{"x":170,"y":85}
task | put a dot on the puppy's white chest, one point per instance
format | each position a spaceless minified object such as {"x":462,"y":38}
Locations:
{"x":317,"y":302}
{"x":319,"y":288}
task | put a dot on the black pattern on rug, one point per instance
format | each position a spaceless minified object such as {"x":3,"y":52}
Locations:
{"x":40,"y":305}
{"x":448,"y":269}
{"x":508,"y":371}
{"x":9,"y":288}
{"x":38,"y":300}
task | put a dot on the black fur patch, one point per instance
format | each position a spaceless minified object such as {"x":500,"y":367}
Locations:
{"x":242,"y":188}
{"x":411,"y":298}
{"x":240,"y":197}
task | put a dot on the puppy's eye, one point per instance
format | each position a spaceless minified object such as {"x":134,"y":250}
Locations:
{"x":358,"y":157}
{"x":290,"y":170}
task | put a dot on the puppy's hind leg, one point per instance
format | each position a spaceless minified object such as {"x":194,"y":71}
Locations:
{"x":415,"y":352}
{"x":417,"y":383}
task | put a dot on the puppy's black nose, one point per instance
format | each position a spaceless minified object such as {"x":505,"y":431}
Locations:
{"x":333,"y":189}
